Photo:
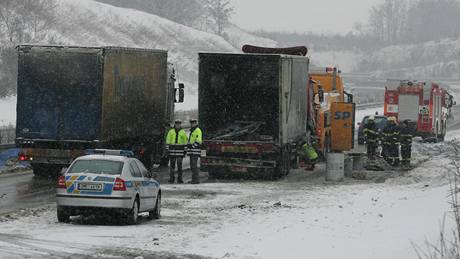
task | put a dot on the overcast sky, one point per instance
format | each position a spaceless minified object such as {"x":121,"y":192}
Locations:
{"x":302,"y":15}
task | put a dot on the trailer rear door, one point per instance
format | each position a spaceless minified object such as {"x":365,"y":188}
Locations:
{"x":59,"y":93}
{"x":408,"y":107}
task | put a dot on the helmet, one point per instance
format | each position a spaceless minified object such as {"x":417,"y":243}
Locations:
{"x":392,"y":119}
{"x":406,"y":122}
{"x":177,"y":122}
{"x":193,"y":120}
{"x":371,"y":118}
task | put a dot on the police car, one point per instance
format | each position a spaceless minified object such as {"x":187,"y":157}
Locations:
{"x":108,"y":180}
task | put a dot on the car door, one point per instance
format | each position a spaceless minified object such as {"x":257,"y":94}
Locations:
{"x":150,"y":186}
{"x":138,"y":183}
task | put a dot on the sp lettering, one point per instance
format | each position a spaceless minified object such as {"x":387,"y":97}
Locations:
{"x":342,"y":115}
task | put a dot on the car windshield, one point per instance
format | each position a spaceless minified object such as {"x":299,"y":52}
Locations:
{"x":377,"y":120}
{"x":96,"y":167}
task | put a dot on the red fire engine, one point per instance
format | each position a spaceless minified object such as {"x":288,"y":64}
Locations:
{"x":427,"y":105}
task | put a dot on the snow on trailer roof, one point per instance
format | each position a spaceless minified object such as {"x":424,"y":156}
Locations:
{"x":252,"y":54}
{"x":88,"y":48}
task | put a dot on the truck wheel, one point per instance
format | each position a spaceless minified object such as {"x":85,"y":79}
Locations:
{"x":295,"y":163}
{"x":37,"y":170}
{"x":63,"y":215}
{"x":164,"y":161}
{"x":283,"y":166}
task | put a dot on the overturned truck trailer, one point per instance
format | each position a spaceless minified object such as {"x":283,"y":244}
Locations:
{"x":253,"y":109}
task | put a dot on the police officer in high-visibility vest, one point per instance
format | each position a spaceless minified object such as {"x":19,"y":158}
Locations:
{"x":406,"y":135}
{"x":195,"y":142}
{"x":391,"y":142}
{"x":371,"y":136}
{"x":176,"y":141}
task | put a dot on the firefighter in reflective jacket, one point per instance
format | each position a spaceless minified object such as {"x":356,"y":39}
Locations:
{"x":176,"y":141}
{"x":391,"y":135}
{"x":371,"y":136}
{"x":195,"y":142}
{"x":406,"y":142}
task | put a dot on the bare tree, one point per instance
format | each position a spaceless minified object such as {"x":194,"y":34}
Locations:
{"x":27,"y":20}
{"x":21,"y":21}
{"x":181,"y":11}
{"x":433,"y":19}
{"x":388,"y":20}
{"x":221,"y":11}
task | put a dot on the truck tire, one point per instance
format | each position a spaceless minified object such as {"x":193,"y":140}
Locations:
{"x":295,"y":162}
{"x":436,"y":133}
{"x":46,"y":170}
{"x":164,"y":162}
{"x":212,"y":175}
{"x":284,"y":164}
{"x":38,"y":170}
{"x":62,"y":215}
{"x":444,"y":131}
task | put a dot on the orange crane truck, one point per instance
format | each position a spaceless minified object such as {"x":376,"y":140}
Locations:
{"x":334,"y":111}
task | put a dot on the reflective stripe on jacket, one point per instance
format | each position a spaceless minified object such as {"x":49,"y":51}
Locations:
{"x":406,"y":136}
{"x":371,"y":133}
{"x":391,"y":135}
{"x":195,"y":142}
{"x":176,"y":142}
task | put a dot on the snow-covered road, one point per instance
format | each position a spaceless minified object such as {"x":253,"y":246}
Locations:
{"x":301,"y":216}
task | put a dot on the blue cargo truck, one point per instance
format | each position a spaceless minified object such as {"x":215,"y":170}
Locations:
{"x":74,"y":98}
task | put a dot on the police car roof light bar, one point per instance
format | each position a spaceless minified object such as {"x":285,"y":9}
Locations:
{"x":126,"y":153}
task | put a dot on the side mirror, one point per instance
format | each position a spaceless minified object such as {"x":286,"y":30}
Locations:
{"x":321,"y":95}
{"x":149,"y":174}
{"x":63,"y":170}
{"x":181,"y":93}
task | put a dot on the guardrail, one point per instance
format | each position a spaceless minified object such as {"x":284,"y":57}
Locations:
{"x":368,"y":105}
{"x":7,"y":146}
{"x":7,"y":134}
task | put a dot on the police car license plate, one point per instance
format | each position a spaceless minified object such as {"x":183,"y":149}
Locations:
{"x":89,"y":187}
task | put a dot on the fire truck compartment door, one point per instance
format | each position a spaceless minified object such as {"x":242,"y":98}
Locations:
{"x":408,"y":107}
{"x":342,"y":126}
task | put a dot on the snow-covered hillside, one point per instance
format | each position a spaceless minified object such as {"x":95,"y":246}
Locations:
{"x":239,"y":37}
{"x":432,"y":59}
{"x":91,"y":23}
